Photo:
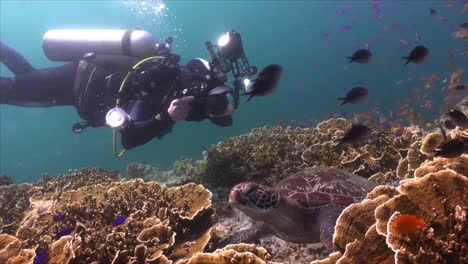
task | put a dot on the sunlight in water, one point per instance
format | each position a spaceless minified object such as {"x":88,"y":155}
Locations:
{"x":155,"y":16}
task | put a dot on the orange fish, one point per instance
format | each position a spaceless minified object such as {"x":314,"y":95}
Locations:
{"x":451,"y":62}
{"x":450,"y":5}
{"x":408,"y":223}
{"x":455,"y":77}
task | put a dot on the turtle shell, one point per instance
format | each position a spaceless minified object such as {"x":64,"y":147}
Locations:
{"x":325,"y":186}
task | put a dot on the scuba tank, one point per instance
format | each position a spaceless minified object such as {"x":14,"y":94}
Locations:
{"x":72,"y":44}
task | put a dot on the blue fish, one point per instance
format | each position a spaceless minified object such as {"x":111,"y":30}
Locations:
{"x":41,"y":258}
{"x":59,"y":217}
{"x":119,"y":221}
{"x":343,"y":113}
{"x":399,"y":134}
{"x":5,"y":221}
{"x":65,"y":232}
{"x":387,"y":125}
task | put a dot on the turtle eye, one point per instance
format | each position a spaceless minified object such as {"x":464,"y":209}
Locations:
{"x":249,"y":190}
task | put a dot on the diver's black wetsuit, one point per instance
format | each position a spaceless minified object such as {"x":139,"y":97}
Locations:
{"x":91,"y":85}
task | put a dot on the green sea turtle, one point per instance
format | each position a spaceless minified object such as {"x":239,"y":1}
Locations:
{"x":302,"y":208}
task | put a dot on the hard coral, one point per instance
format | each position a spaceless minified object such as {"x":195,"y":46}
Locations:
{"x":365,"y":234}
{"x":11,"y":251}
{"x":76,"y":179}
{"x":157,"y":224}
{"x":5,"y":180}
{"x":184,"y":170}
{"x":240,"y":253}
{"x":269,"y":154}
{"x":14,"y":203}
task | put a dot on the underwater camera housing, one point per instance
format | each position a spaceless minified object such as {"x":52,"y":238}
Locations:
{"x":230,"y":57}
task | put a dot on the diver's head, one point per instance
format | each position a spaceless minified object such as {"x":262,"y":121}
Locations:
{"x":197,"y":68}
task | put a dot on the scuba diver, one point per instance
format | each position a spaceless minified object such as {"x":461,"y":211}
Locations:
{"x":127,"y":81}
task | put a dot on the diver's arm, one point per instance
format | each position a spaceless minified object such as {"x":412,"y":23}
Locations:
{"x":141,"y":132}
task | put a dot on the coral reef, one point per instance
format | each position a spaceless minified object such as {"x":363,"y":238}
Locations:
{"x":184,"y":170}
{"x":239,"y":253}
{"x":365,"y":232}
{"x":268,"y":154}
{"x":460,"y":106}
{"x":5,"y":180}
{"x":14,"y":203}
{"x":94,"y":218}
{"x":76,"y":179}
{"x":279,"y":250}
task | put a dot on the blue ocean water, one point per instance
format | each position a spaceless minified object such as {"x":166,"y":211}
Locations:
{"x":310,"y":39}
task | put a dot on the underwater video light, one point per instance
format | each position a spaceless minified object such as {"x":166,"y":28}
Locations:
{"x":117,"y":118}
{"x":230,"y":46}
{"x":248,"y":84}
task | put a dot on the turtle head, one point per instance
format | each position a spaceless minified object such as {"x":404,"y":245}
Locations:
{"x":255,"y":200}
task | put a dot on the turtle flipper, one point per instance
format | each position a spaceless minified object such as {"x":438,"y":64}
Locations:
{"x":244,"y":236}
{"x":327,"y":216}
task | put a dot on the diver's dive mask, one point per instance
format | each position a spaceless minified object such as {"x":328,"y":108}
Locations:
{"x":220,"y":102}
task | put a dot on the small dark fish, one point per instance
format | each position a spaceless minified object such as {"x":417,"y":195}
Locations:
{"x":451,"y":149}
{"x":417,"y":55}
{"x":65,"y":232}
{"x":399,"y":133}
{"x":458,"y":118}
{"x":5,"y":221}
{"x":355,"y":134}
{"x":432,"y":11}
{"x":345,"y":28}
{"x":449,"y":124}
{"x":442,"y":131}
{"x":343,"y":114}
{"x":119,"y":221}
{"x":266,"y":82}
{"x":464,"y":26}
{"x":460,"y":87}
{"x":41,"y":258}
{"x":360,"y":56}
{"x":387,"y":125}
{"x":59,"y":217}
{"x":355,"y":95}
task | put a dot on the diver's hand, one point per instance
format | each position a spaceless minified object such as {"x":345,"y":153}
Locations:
{"x":180,"y":108}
